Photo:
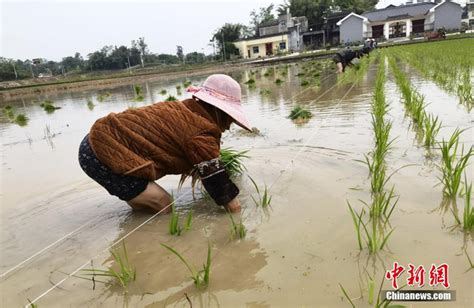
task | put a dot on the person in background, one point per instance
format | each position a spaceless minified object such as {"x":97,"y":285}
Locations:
{"x":343,"y":58}
{"x":127,"y":152}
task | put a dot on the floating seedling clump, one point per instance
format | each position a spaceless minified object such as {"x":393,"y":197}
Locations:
{"x":171,"y":98}
{"x":186,"y":83}
{"x":163,"y":92}
{"x":278,"y":81}
{"x":123,"y":276}
{"x":49,"y":107}
{"x":265,"y":92}
{"x":200,"y":278}
{"x":138,"y":93}
{"x":304,"y":83}
{"x":250,"y":81}
{"x":21,"y":119}
{"x":90,"y":104}
{"x":300,"y":114}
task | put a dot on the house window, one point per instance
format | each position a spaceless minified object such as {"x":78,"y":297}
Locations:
{"x":282,"y":45}
{"x":255,"y":49}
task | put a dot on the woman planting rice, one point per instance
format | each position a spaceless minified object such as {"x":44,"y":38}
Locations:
{"x":128,"y":151}
{"x":344,"y":58}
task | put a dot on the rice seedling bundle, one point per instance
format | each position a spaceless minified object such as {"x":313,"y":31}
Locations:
{"x":171,"y":98}
{"x":48,"y":106}
{"x":233,"y":163}
{"x":299,"y":112}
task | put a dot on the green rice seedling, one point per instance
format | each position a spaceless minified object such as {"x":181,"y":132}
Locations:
{"x":174,"y":227}
{"x":431,"y":125}
{"x":171,"y":98}
{"x":163,"y":92}
{"x":300,"y":74}
{"x":453,"y":167}
{"x":304,"y":83}
{"x":265,"y":92}
{"x":468,"y":214}
{"x":278,"y":81}
{"x":237,"y":230}
{"x":299,"y":112}
{"x":471,"y":264}
{"x":232,"y":161}
{"x":347,"y":295}
{"x":138,"y":93}
{"x":417,"y":108}
{"x":200,"y":278}
{"x":21,"y":119}
{"x":48,"y":106}
{"x":123,"y":276}
{"x":186,"y":83}
{"x":264,"y":198}
{"x":374,"y":235}
{"x":357,"y":220}
{"x":178,"y":87}
{"x":32,"y":305}
{"x":464,"y":90}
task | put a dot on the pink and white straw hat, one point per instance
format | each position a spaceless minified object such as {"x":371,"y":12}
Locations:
{"x":223,"y":92}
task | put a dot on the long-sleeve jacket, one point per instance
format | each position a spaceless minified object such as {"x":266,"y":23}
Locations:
{"x":347,"y":55}
{"x":164,"y":138}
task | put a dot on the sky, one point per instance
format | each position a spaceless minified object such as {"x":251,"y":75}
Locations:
{"x":56,"y":29}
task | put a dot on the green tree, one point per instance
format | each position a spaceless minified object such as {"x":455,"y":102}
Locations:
{"x":228,"y":33}
{"x":356,"y":6}
{"x":264,"y":14}
{"x":314,"y":10}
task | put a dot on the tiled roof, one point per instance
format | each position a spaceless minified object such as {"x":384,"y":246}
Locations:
{"x":402,"y":10}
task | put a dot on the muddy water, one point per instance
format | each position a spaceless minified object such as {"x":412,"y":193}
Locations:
{"x":54,"y":219}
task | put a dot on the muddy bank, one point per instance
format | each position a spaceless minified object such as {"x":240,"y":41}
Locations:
{"x":106,"y":83}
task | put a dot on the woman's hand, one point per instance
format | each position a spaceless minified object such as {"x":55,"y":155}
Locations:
{"x":233,"y":206}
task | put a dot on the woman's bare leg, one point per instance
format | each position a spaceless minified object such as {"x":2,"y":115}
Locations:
{"x":154,"y":198}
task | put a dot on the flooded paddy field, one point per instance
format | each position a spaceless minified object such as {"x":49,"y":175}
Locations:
{"x":56,"y":221}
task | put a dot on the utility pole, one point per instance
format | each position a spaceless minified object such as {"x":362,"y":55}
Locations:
{"x":14,"y":69}
{"x":128,"y":59}
{"x":32,"y":73}
{"x":223,"y":45}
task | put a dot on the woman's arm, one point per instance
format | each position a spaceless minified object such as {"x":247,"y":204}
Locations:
{"x":203,"y":152}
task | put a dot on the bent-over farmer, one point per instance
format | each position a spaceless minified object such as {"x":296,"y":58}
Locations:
{"x":344,"y":58}
{"x":127,"y":152}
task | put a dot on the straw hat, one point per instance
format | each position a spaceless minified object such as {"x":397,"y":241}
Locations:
{"x":223,"y":92}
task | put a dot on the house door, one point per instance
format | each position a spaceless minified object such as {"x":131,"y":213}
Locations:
{"x":268,"y":49}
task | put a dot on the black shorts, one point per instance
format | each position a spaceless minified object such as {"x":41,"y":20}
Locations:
{"x":123,"y":186}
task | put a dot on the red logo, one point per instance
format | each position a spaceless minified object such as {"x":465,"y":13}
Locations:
{"x":416,"y":275}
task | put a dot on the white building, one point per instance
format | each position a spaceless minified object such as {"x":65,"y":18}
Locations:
{"x":400,"y":21}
